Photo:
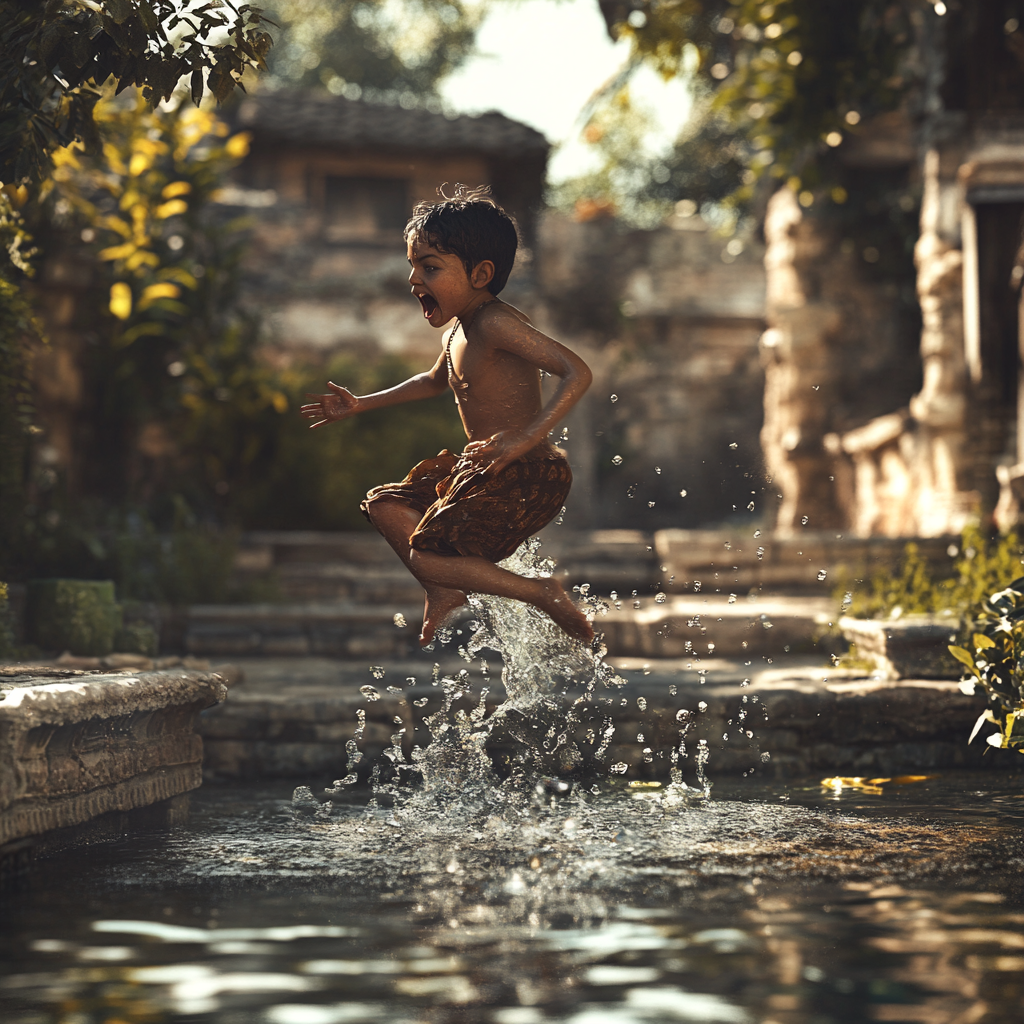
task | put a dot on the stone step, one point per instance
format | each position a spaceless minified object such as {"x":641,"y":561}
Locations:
{"x":362,"y":567}
{"x":717,"y":626}
{"x":738,"y":561}
{"x":293,"y":717}
{"x":342,"y":629}
{"x":680,"y":626}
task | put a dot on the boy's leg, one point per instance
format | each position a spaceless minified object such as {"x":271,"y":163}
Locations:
{"x":462,"y":573}
{"x":396,"y":521}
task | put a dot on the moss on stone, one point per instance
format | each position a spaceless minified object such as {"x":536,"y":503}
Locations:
{"x":80,"y":616}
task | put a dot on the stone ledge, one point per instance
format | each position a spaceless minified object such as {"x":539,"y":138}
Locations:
{"x":91,"y":743}
{"x":287,"y":724}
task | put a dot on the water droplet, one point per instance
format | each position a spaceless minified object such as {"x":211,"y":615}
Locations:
{"x":711,"y":647}
{"x":760,"y":553}
{"x":660,"y":599}
{"x":650,"y":504}
{"x":657,"y":469}
{"x":750,"y":507}
{"x":646,"y":668}
{"x":619,"y":768}
{"x":682,"y":715}
{"x":822,"y":573}
{"x":734,"y":446}
{"x":725,"y":736}
{"x":422,"y":702}
{"x":369,"y":692}
{"x":640,"y":737}
{"x":757,"y":533}
{"x":616,"y":460}
{"x":400,"y":620}
{"x":636,"y":604}
{"x":614,"y":398}
{"x":766,"y":756}
{"x":614,"y":595}
{"x":673,"y":690}
{"x":804,"y":520}
{"x":732,"y":599}
{"x":377,"y":671}
{"x":696,"y":586}
{"x":641,"y":703}
{"x":702,"y":706}
{"x":746,"y":682}
{"x":631,"y":490}
{"x":682,"y":493}
{"x":395,"y":691}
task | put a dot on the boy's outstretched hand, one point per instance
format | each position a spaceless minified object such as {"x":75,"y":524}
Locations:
{"x":338,"y":405}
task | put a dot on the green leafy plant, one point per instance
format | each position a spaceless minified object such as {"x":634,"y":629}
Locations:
{"x":994,"y":657}
{"x":981,"y":567}
{"x":56,"y":54}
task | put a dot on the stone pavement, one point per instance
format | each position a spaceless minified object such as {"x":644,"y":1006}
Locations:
{"x":783,"y":715}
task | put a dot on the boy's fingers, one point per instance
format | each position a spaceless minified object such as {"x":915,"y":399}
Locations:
{"x":335,"y":387}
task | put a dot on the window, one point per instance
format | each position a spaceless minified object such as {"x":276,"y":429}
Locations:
{"x":364,"y":209}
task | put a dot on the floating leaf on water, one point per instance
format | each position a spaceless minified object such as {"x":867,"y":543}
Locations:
{"x":619,"y":768}
{"x":616,"y":460}
{"x":400,"y":620}
{"x":660,"y":599}
{"x":369,"y":692}
{"x":377,"y":671}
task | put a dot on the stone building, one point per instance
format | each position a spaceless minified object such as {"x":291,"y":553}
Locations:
{"x":669,"y":319}
{"x":949,"y":451}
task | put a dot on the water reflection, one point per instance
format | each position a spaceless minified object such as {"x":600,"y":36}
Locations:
{"x":807,"y":910}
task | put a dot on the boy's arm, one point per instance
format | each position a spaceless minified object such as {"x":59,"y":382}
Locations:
{"x":513,"y":335}
{"x":340,"y":403}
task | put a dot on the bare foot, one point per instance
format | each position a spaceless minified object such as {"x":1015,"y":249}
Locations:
{"x":557,"y":603}
{"x":438,"y":606}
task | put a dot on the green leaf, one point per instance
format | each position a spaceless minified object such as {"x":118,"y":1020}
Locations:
{"x":120,"y":10}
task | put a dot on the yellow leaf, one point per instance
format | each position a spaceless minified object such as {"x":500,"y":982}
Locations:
{"x":170,"y":209}
{"x":161,"y":290}
{"x":118,"y":225}
{"x":120,"y":300}
{"x":141,"y":258}
{"x":238,"y":145}
{"x":117,"y":252}
{"x":175,"y":189}
{"x":981,"y":641}
{"x":139,"y":164}
{"x":280,"y":402}
{"x":179,"y":274}
{"x":962,"y":655}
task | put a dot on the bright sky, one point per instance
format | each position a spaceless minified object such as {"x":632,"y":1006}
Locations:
{"x":540,"y":61}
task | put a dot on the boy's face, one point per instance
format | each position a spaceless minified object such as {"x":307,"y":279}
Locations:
{"x":439,"y":280}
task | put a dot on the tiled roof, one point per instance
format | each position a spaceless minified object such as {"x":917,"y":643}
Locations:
{"x":309,"y":119}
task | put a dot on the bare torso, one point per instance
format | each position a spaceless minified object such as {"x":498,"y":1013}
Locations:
{"x":494,"y":389}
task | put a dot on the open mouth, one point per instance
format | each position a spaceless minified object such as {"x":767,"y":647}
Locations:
{"x":429,"y":304}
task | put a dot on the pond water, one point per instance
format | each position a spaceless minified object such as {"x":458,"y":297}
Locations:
{"x":768,"y":903}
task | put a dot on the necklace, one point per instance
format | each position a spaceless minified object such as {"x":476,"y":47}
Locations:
{"x":472,"y":317}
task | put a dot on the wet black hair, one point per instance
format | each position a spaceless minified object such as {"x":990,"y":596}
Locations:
{"x":469,"y":225}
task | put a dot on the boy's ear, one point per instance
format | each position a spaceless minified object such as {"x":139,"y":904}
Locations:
{"x":483,"y":274}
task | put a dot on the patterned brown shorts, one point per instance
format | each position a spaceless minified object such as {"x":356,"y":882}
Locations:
{"x":466,"y":512}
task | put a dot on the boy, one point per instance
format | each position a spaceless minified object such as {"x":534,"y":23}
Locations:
{"x":452,"y":518}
